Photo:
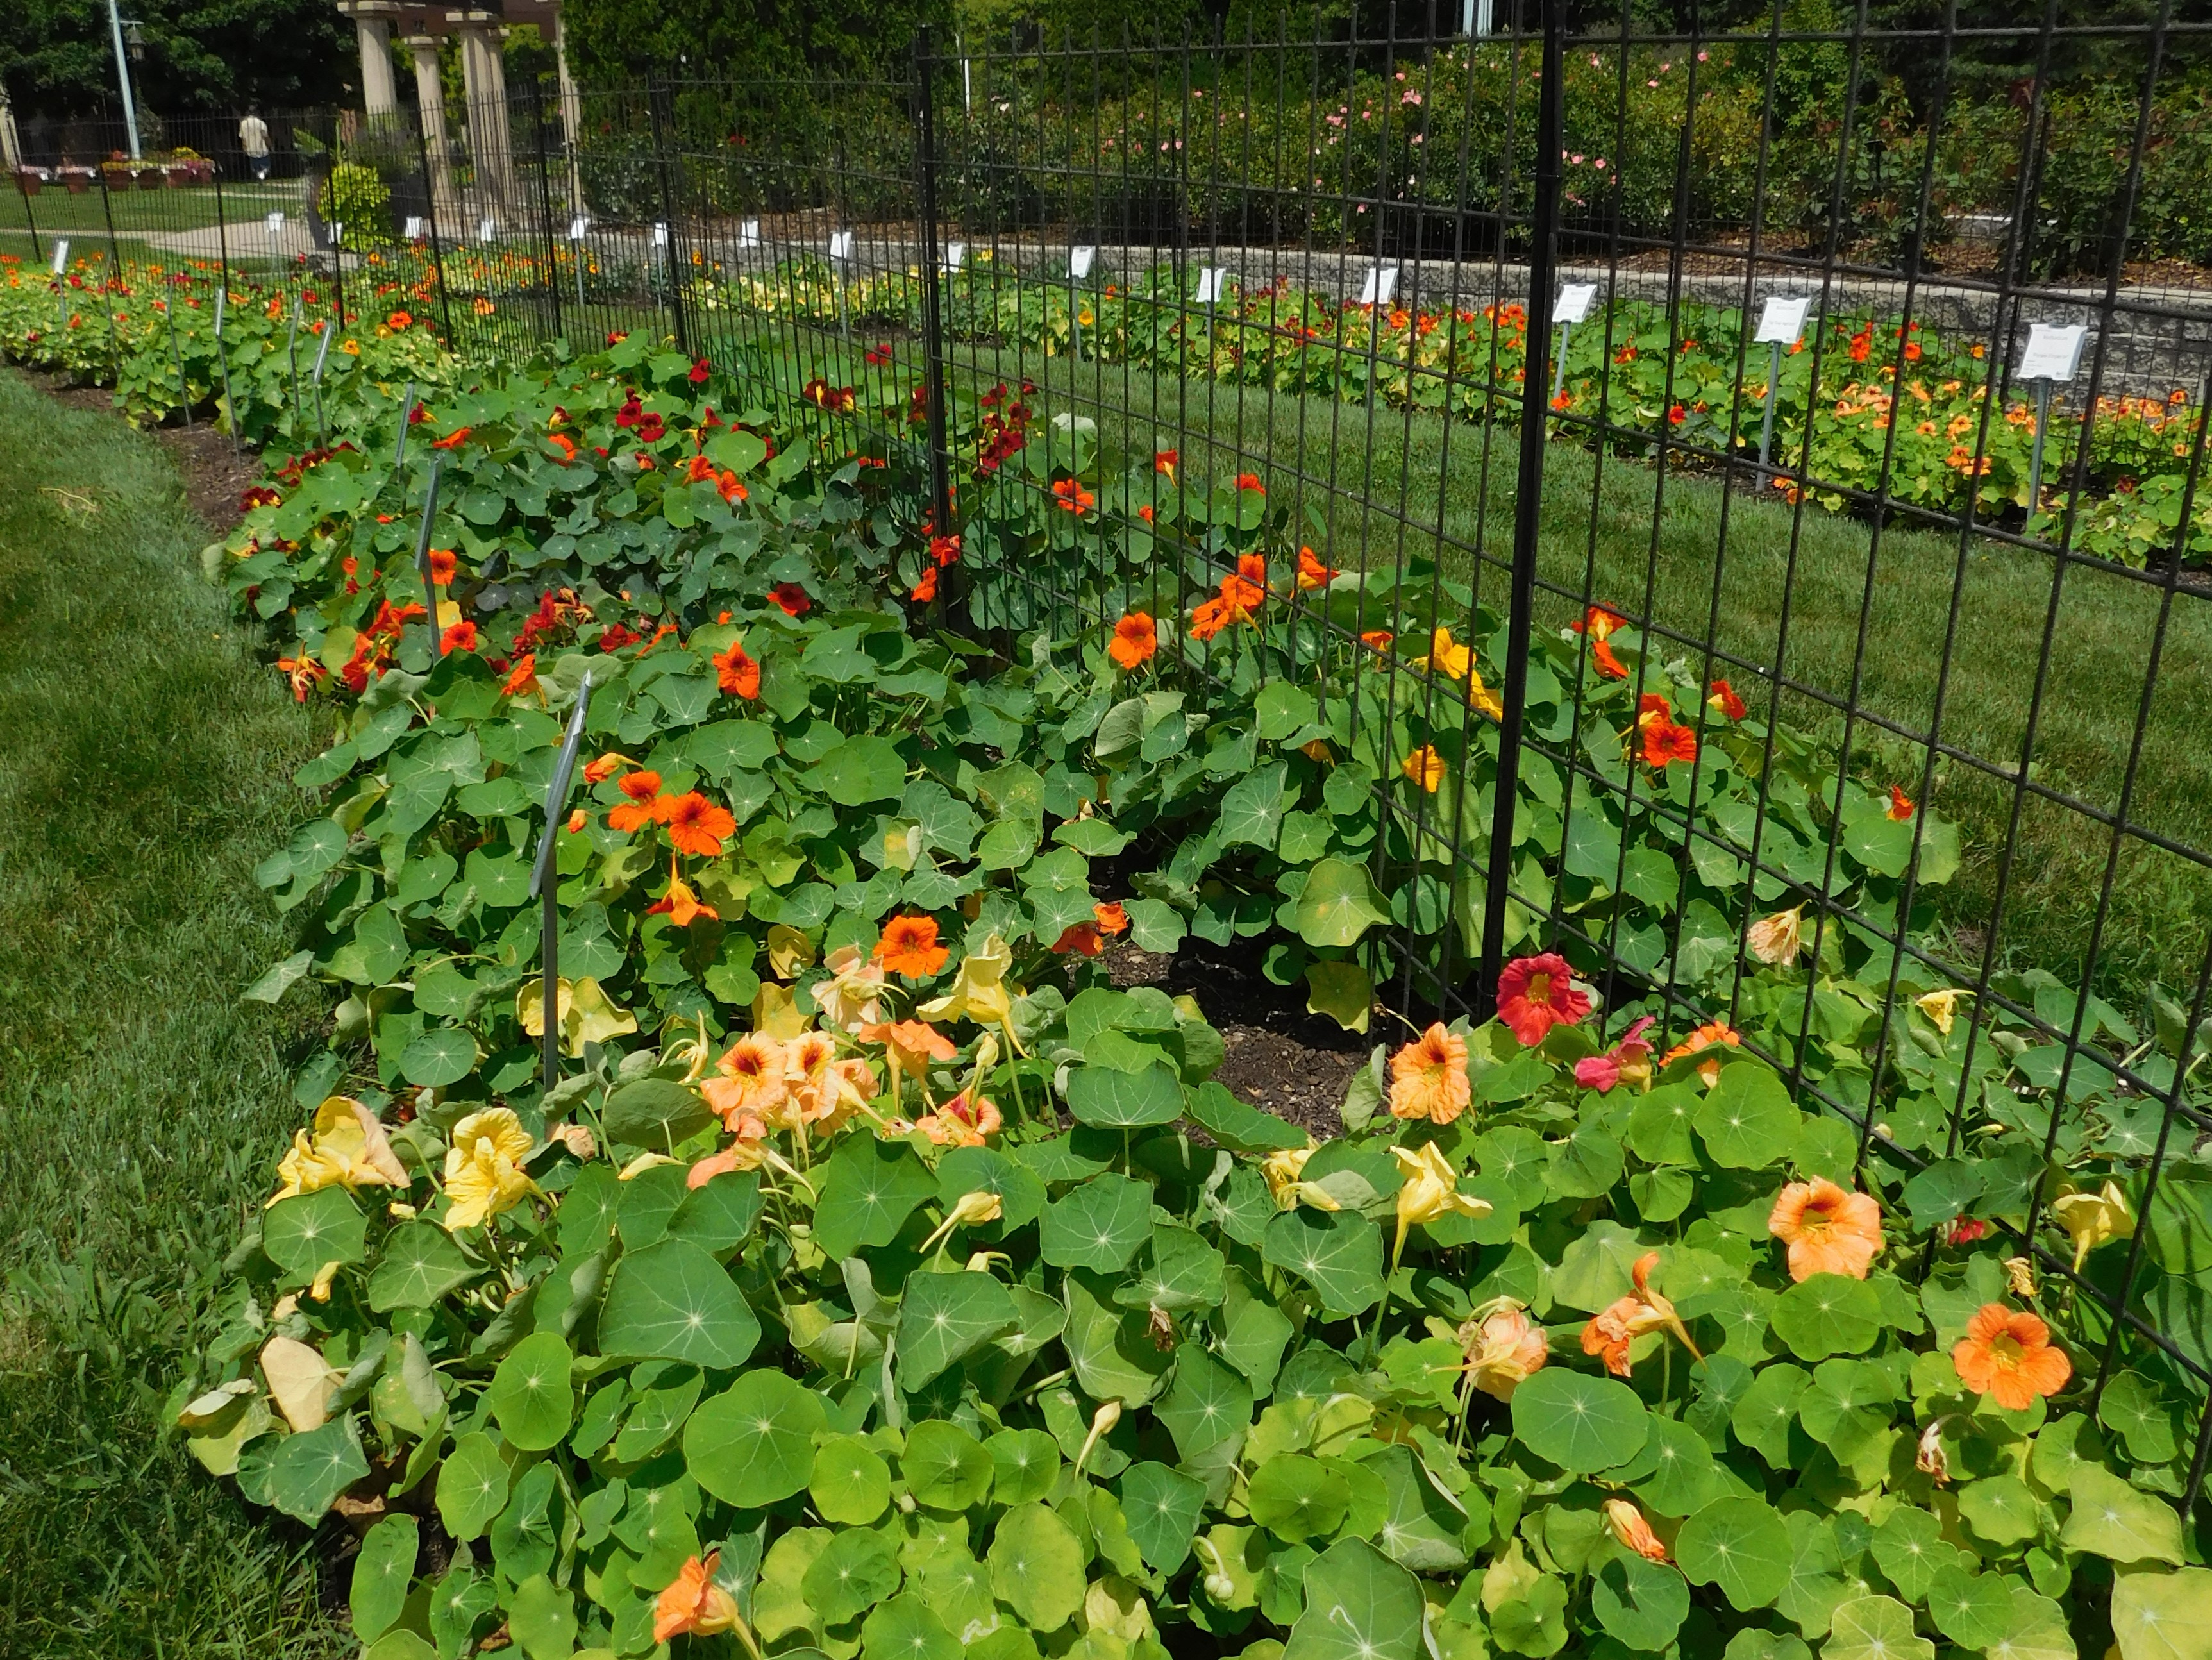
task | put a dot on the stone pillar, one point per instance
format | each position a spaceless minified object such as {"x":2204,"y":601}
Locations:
{"x":483,"y":70}
{"x":379,"y":95}
{"x":572,"y":112}
{"x":430,"y":100}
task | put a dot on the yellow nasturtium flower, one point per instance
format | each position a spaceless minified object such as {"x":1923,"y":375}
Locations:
{"x":1431,"y":1192}
{"x":483,"y":1168}
{"x":347,"y":1148}
{"x":1285,"y":1169}
{"x":2091,"y":1218}
{"x":979,"y":990}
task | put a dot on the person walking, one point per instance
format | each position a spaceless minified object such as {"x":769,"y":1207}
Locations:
{"x":254,"y":136}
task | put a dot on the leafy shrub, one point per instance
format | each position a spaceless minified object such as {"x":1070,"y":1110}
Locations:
{"x":355,"y":196}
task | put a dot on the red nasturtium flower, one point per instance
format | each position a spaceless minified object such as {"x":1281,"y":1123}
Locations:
{"x":910,"y":947}
{"x":1900,"y":804}
{"x":1722,"y":700}
{"x":1136,"y":638}
{"x":700,"y":371}
{"x":1609,"y":666}
{"x":1665,"y":738}
{"x":522,"y":678}
{"x":2010,"y":1355}
{"x":645,"y":805}
{"x":461,"y":636}
{"x":444,"y":567}
{"x":926,"y":590}
{"x":1250,"y":481}
{"x":1536,"y":994}
{"x":1164,"y":461}
{"x":792,"y":598}
{"x":1113,"y":920}
{"x":1081,"y":937}
{"x":1676,"y":415}
{"x":1599,"y":623}
{"x":739,"y":674}
{"x":697,"y":825}
{"x":1068,"y":493}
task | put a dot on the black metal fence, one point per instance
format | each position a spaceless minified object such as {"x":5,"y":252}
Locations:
{"x":1827,"y":383}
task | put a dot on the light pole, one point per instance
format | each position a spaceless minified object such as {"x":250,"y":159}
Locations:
{"x":123,"y":75}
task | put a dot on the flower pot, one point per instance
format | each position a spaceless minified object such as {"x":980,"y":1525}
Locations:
{"x":31,"y":179}
{"x":78,"y":182}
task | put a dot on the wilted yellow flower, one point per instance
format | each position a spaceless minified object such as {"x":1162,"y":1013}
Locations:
{"x":301,"y":1382}
{"x":347,"y":1148}
{"x":484,"y":1167}
{"x":1430,"y":1193}
{"x":1284,"y":1170}
{"x":968,"y":1211}
{"x":1779,"y":939}
{"x":1940,"y":1008}
{"x":2091,"y":1218}
{"x":586,"y":1013}
{"x":979,"y":990}
{"x":852,"y":997}
{"x":2020,"y":1275}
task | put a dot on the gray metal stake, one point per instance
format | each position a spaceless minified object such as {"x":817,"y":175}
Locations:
{"x":422,"y":541}
{"x":315,"y":381}
{"x":177,"y":357}
{"x":222,"y":362}
{"x":292,"y":350}
{"x":2042,"y":389}
{"x":1766,"y":422}
{"x":545,"y":882}
{"x":406,"y":414}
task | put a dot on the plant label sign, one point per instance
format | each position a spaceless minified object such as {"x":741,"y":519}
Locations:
{"x":1213,"y":284}
{"x":841,"y":245}
{"x":1078,"y":261}
{"x":1782,"y":319}
{"x":749,"y":233}
{"x":1381,"y":283}
{"x":955,"y":253}
{"x":61,"y":255}
{"x":576,"y":228}
{"x":221,"y":299}
{"x":1574,"y":303}
{"x":660,"y":234}
{"x":337,"y":232}
{"x":414,"y":229}
{"x":487,"y":229}
{"x":274,"y":223}
{"x":2054,"y":351}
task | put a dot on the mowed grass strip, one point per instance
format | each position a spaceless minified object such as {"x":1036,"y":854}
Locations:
{"x":143,"y":770}
{"x":1373,"y":485}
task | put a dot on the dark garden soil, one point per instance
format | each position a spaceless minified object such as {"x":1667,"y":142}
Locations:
{"x":215,"y":473}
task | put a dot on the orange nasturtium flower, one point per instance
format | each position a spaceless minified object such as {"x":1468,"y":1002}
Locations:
{"x":1704,"y":1038}
{"x":605,"y":767}
{"x":1112,"y":918}
{"x":697,"y":825}
{"x":1136,"y":639}
{"x":1828,"y":1229}
{"x":1425,"y":767}
{"x":693,"y":1604}
{"x":1598,"y":623}
{"x":748,"y":1080}
{"x":1611,"y":1331}
{"x":910,"y":947}
{"x":2010,"y":1355}
{"x":1723,"y":701}
{"x":1609,"y":666}
{"x":739,"y":674}
{"x":1069,"y":493}
{"x":1164,"y":461}
{"x":522,"y":677}
{"x":1428,"y":1076}
{"x":680,"y":905}
{"x":444,"y":566}
{"x":1377,"y":639}
{"x":1900,"y":804}
{"x":645,"y":804}
{"x":1312,"y":574}
{"x":1634,"y":1533}
{"x":1250,"y":481}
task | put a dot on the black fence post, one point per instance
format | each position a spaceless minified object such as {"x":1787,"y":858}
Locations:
{"x":933,"y":312}
{"x":430,"y":222}
{"x":545,"y":203}
{"x":115,"y":267}
{"x":1527,"y":499}
{"x":30,"y":215}
{"x":656,"y":89}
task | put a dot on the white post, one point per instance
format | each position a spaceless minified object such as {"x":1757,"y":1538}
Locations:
{"x":122,"y":76}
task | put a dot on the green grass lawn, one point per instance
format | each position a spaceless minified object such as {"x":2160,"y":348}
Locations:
{"x":144,"y":772}
{"x":1386,"y":485}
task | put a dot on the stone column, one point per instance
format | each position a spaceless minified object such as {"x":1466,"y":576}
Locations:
{"x":483,"y":69}
{"x":379,"y":95}
{"x":430,"y":100}
{"x":572,"y":111}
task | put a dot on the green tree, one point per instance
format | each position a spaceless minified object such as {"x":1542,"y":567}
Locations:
{"x":57,"y":60}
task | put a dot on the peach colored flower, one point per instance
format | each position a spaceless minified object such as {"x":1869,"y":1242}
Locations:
{"x":751,"y":1080}
{"x":1630,"y":1528}
{"x":1712,"y":1032}
{"x":1828,"y":1229}
{"x":693,"y":1603}
{"x":1504,"y":1350}
{"x":1428,"y":1076}
{"x":961,"y":1122}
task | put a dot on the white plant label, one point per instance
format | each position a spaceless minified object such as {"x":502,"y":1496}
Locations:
{"x":1381,"y":283}
{"x":841,"y":245}
{"x":275,"y":223}
{"x":1078,"y":261}
{"x":414,"y":226}
{"x":2054,"y":351}
{"x":61,"y":255}
{"x":487,"y":229}
{"x":1213,"y":284}
{"x":749,"y":233}
{"x":1782,"y":321}
{"x":660,"y":234}
{"x":1574,"y":302}
{"x":576,"y":229}
{"x":955,"y":253}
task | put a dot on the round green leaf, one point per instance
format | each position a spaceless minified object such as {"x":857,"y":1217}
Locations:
{"x":654,"y":1112}
{"x":944,"y":1318}
{"x":1828,"y":1314}
{"x":2114,"y":1521}
{"x":1098,"y":1224}
{"x":1163,"y":1507}
{"x":1338,"y":1253}
{"x":420,"y":1264}
{"x":2000,"y":1509}
{"x":1580,"y":1423}
{"x":1036,"y":1567}
{"x":1205,"y":1404}
{"x":671,"y":1301}
{"x":2163,"y":1616}
{"x":873,"y":1186}
{"x":1974,"y":1610}
{"x":306,"y":1472}
{"x":1747,"y":1119}
{"x":1359,"y":1605}
{"x":1338,"y":904}
{"x":945,"y":1467}
{"x":1112,"y":1099}
{"x":383,"y":1573}
{"x":531,"y":1393}
{"x":1642,"y":1603}
{"x":472,"y":1485}
{"x":542,"y":1619}
{"x":1910,"y":1549}
{"x":1874,"y":1628}
{"x":1025,"y":1465}
{"x":1298,"y":1496}
{"x":858,"y":771}
{"x":986,"y":1170}
{"x":754,"y":1443}
{"x":439,"y":1058}
{"x":1740,"y":1544}
{"x":856,"y":1570}
{"x":302,"y":1233}
{"x":906,"y":1629}
{"x":851,"y":1483}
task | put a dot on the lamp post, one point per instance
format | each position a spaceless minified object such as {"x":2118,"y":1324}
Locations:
{"x":123,"y":70}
